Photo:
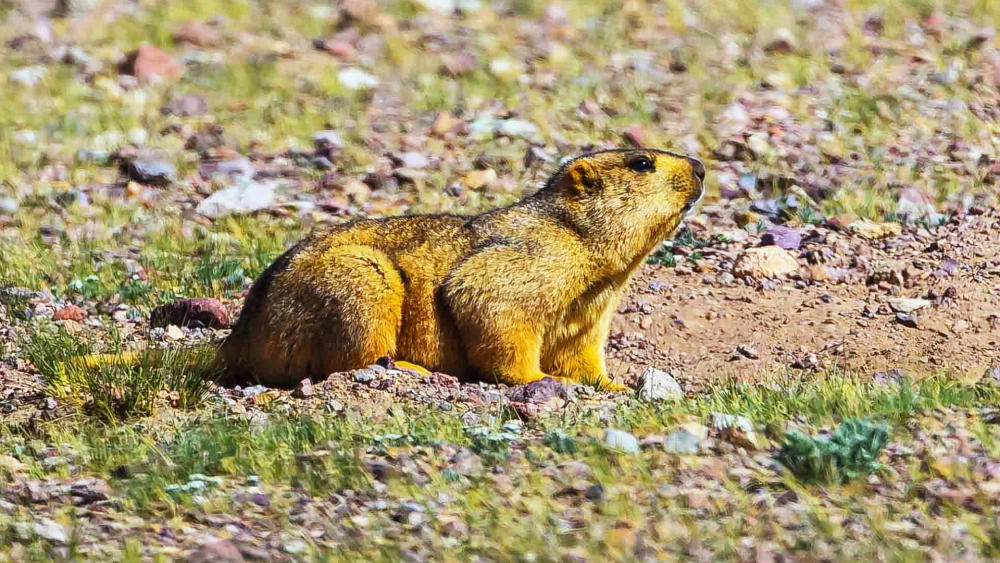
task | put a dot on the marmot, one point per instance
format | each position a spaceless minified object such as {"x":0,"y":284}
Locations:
{"x":509,"y":296}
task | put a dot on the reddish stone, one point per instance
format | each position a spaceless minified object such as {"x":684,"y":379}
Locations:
{"x":444,"y":380}
{"x":635,"y":136}
{"x":303,"y":389}
{"x":150,"y":63}
{"x":199,"y":34}
{"x":339,"y":48}
{"x":458,"y":64}
{"x":71,"y":313}
{"x":192,"y":313}
{"x":217,"y":551}
{"x":525,"y":411}
{"x":538,"y":392}
{"x":935,"y":23}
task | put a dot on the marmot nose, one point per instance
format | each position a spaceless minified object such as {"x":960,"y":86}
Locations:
{"x":698,"y":168}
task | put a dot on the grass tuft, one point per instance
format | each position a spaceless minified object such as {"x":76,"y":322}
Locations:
{"x":115,"y":384}
{"x":832,"y":396}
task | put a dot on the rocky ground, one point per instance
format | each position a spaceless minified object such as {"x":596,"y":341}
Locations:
{"x":815,"y":355}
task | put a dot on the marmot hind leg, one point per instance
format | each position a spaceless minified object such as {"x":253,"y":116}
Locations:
{"x":360,"y":296}
{"x":331,"y":310}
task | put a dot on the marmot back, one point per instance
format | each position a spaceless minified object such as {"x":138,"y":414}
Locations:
{"x":510,"y":296}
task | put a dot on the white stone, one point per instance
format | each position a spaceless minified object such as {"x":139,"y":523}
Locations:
{"x":686,"y":440}
{"x":244,"y":197}
{"x":621,"y":440}
{"x":517,"y":128}
{"x":356,"y":79}
{"x":29,"y":76}
{"x":657,"y":385}
{"x":765,"y":262}
{"x":51,"y":530}
{"x":907,"y":305}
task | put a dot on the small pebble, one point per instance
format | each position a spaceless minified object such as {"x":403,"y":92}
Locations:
{"x":364,"y":375}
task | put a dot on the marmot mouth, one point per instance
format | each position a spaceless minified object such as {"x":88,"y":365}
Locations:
{"x":693,"y":199}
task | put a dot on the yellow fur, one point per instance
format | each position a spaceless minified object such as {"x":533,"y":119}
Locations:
{"x":511,"y":296}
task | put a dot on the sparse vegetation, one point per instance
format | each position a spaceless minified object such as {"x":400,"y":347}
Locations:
{"x":851,"y":452}
{"x":128,"y":384}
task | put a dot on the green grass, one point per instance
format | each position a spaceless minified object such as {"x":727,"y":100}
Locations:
{"x":174,"y":463}
{"x":841,"y":395}
{"x":123,"y":387}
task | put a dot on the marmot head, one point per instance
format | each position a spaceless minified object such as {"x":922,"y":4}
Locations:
{"x":638,"y":194}
{"x":655,"y":177}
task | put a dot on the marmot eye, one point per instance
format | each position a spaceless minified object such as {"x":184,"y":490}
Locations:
{"x":641,"y":164}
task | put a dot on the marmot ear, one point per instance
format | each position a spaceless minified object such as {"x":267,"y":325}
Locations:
{"x":580,"y":178}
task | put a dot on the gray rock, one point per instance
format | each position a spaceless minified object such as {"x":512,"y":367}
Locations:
{"x":154,"y":172}
{"x":906,"y":305}
{"x":89,"y":490}
{"x":686,"y":440}
{"x":783,"y":237}
{"x":218,"y":551}
{"x":470,"y":419}
{"x":722,"y":421}
{"x":356,"y":79}
{"x":446,"y":7}
{"x":657,"y":385}
{"x":908,"y":320}
{"x":412,"y":159}
{"x":517,"y":128}
{"x":137,"y":137}
{"x":253,"y":391}
{"x":187,"y":105}
{"x":621,"y":440}
{"x":244,"y":197}
{"x":993,"y":374}
{"x":84,"y":61}
{"x":28,"y":76}
{"x":295,"y":547}
{"x":894,"y":375}
{"x":411,"y":513}
{"x":807,"y":4}
{"x":108,"y":142}
{"x":26,"y":137}
{"x":9,"y":206}
{"x":483,"y":126}
{"x":538,"y":391}
{"x":364,"y":375}
{"x":914,"y":204}
{"x":535,"y":155}
{"x":53,"y":462}
{"x":302,"y":208}
{"x":51,"y":530}
{"x":328,"y":139}
{"x":239,"y":168}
